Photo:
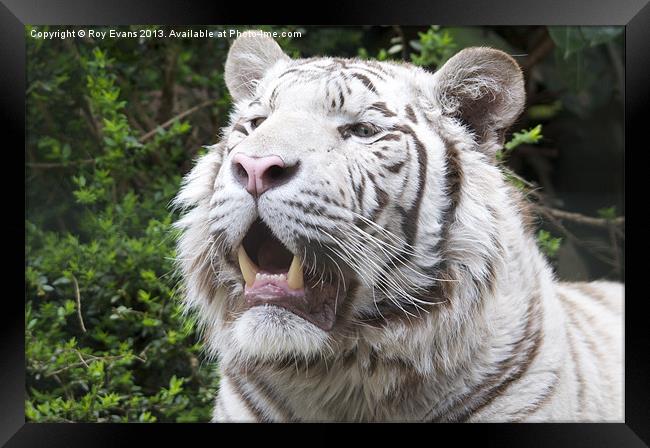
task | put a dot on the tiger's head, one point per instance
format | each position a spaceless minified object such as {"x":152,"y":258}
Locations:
{"x":330,"y":203}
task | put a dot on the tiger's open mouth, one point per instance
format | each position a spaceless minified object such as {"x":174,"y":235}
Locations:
{"x":274,"y":276}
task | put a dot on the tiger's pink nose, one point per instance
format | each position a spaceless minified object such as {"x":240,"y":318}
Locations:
{"x":259,"y":174}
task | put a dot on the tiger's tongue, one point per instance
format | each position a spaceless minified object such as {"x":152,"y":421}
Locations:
{"x":275,"y":262}
{"x":275,"y":266}
{"x":273,"y":258}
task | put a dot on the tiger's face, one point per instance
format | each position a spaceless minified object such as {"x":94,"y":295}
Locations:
{"x":324,"y":206}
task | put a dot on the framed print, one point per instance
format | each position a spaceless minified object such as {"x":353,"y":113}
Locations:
{"x":372,"y":216}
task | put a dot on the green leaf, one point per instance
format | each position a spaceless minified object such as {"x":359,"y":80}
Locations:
{"x":530,"y":136}
{"x":548,"y":244}
{"x":569,"y":39}
{"x":176,"y":385}
{"x":150,"y":322}
{"x":597,"y":35}
{"x":608,"y":213}
{"x":544,"y":111}
{"x":147,"y":417}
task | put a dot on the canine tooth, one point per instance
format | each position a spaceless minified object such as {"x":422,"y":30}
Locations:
{"x":295,"y":276}
{"x":247,"y":267}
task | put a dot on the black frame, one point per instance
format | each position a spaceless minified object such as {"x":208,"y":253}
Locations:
{"x":15,"y":14}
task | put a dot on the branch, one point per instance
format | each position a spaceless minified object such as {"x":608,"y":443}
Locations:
{"x":169,"y":76}
{"x":615,"y":251}
{"x":575,"y":239}
{"x":86,"y":108}
{"x":541,"y":50}
{"x":581,"y":219}
{"x":142,"y":114}
{"x":78,"y":296}
{"x":171,"y":121}
{"x":59,"y":164}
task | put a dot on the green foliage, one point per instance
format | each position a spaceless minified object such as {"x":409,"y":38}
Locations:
{"x":608,"y":213}
{"x":382,"y":54}
{"x":548,"y":243}
{"x":572,"y":39}
{"x":587,"y":64}
{"x":527,"y":136}
{"x":105,"y":338}
{"x":433,"y":47}
{"x":544,"y":111}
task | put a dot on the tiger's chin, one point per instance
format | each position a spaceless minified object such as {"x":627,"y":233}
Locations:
{"x":269,"y":332}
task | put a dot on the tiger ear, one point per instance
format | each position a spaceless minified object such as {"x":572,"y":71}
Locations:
{"x":250,"y":57}
{"x":484,"y":88}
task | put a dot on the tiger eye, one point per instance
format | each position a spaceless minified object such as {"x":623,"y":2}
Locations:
{"x":363,"y":130}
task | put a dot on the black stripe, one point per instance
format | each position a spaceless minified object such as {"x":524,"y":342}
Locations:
{"x":360,"y":191}
{"x":523,"y":354}
{"x":595,"y":295}
{"x":540,"y":401}
{"x":410,"y":226}
{"x":592,"y":333}
{"x":239,"y":389}
{"x":354,"y":190}
{"x":239,"y":128}
{"x":379,"y":66}
{"x":381,"y":196}
{"x":393,"y":137}
{"x":274,"y":95}
{"x":286,"y":72}
{"x":366,"y":81}
{"x":488,"y":283}
{"x":383,"y":109}
{"x":323,"y":197}
{"x":453,"y":188}
{"x":345,"y":83}
{"x":313,"y":209}
{"x":396,"y":167}
{"x":279,"y":404}
{"x":411,"y":114}
{"x":581,"y":397}
{"x":343,"y":63}
{"x":368,"y":70}
{"x":340,"y":90}
{"x":382,"y":201}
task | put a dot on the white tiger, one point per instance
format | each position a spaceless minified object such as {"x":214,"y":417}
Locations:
{"x":354,"y":253}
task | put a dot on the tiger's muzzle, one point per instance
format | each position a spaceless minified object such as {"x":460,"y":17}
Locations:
{"x":274,"y":276}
